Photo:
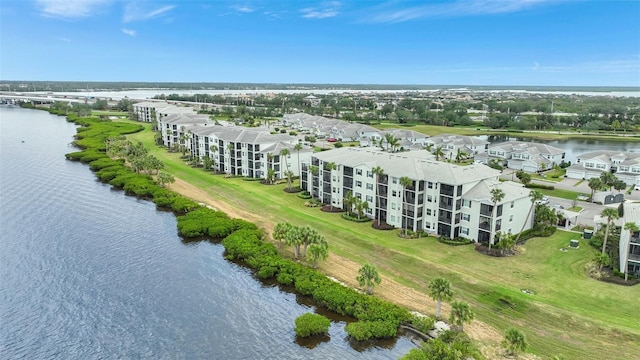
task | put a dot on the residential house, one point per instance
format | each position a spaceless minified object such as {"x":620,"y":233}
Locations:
{"x":450,"y":144}
{"x":444,"y":198}
{"x":525,"y":156}
{"x":625,"y":165}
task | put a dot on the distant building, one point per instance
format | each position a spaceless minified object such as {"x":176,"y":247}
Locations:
{"x":525,"y":156}
{"x":450,"y":144}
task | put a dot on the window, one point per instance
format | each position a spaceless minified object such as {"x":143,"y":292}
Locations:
{"x":369,"y":186}
{"x":466,"y":217}
{"x":394,"y":193}
{"x":393,"y":206}
{"x":369,"y":198}
{"x":358,"y":171}
{"x":430,"y":185}
{"x":512,"y":203}
{"x":466,"y":203}
{"x":428,"y":212}
{"x":428,"y":225}
{"x":334,"y":190}
{"x":369,"y":174}
{"x":333,"y":178}
{"x":429,"y":198}
{"x":358,"y":183}
{"x":464,"y":230}
{"x":359,"y":196}
{"x":510,"y":218}
{"x":394,"y":180}
{"x":393,"y":218}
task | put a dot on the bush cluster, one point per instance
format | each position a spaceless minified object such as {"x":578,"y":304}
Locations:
{"x":311,"y":324}
{"x":455,"y":241}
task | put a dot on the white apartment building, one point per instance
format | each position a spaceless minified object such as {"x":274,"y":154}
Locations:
{"x":150,"y":111}
{"x":629,"y":247}
{"x":249,"y":152}
{"x":444,"y":198}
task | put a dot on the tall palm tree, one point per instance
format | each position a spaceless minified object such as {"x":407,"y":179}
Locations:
{"x":461,"y":313}
{"x":378,"y":172}
{"x":405,"y":182}
{"x":610,"y":214}
{"x":283,"y":157}
{"x":496,"y":196}
{"x":632,"y":228}
{"x":534,"y":196}
{"x":440,"y":289}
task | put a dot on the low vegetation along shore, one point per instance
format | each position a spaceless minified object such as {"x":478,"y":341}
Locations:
{"x":542,"y":291}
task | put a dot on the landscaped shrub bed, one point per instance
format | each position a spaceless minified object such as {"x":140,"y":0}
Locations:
{"x":304,"y":195}
{"x":349,"y":217}
{"x":455,"y":241}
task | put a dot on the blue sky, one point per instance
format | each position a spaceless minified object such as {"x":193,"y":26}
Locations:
{"x":453,"y":42}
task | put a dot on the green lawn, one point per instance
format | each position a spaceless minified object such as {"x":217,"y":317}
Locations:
{"x":570,"y":314}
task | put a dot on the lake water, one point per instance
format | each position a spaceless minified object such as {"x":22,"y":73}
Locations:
{"x":573,"y":147}
{"x":89,"y":273}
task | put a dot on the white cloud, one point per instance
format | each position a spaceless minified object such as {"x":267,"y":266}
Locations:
{"x":244,"y":9}
{"x":69,"y":8}
{"x":385,"y":14}
{"x":325,"y":10}
{"x":134,"y":13}
{"x":129,"y":32}
{"x":63,"y":39}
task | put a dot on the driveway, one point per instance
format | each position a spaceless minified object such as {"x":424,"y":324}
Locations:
{"x":589,"y":210}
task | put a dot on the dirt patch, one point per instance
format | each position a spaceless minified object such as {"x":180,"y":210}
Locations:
{"x":346,"y":271}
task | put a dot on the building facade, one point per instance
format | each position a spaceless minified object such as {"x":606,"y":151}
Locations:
{"x":443,"y":198}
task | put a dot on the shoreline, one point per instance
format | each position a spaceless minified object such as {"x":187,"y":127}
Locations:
{"x":486,"y":338}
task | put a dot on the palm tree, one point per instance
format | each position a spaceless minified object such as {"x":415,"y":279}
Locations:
{"x":405,"y":182}
{"x":611,"y":214}
{"x":632,"y":228}
{"x":283,"y":155}
{"x":429,"y":147}
{"x":281,"y":231}
{"x":289,"y":175}
{"x":461,"y":313}
{"x":438,"y":153}
{"x":440,"y":289}
{"x":594,"y":184}
{"x":378,"y":172}
{"x":368,"y":276}
{"x":514,"y":341}
{"x":534,"y":196}
{"x":460,"y":155}
{"x":496,"y":196}
{"x":297,"y":148}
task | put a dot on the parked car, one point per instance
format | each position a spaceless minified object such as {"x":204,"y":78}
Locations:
{"x":332,"y":140}
{"x":543,"y":201}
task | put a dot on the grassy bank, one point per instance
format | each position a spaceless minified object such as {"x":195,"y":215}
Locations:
{"x":569,"y":315}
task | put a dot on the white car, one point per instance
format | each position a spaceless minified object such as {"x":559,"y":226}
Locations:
{"x":543,"y":201}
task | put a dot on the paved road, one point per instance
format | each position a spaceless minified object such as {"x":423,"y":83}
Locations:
{"x":589,"y":210}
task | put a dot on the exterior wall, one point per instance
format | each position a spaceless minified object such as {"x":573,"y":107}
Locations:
{"x":436,"y":208}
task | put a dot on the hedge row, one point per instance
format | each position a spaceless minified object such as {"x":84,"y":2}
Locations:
{"x":539,"y":186}
{"x":91,"y":138}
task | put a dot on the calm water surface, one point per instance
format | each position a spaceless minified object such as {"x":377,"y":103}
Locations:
{"x":89,"y":273}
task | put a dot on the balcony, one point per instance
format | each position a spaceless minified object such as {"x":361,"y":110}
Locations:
{"x":485,"y":226}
